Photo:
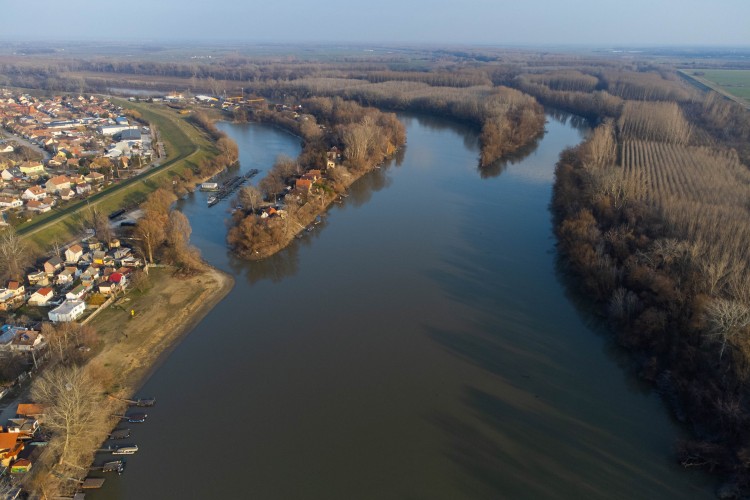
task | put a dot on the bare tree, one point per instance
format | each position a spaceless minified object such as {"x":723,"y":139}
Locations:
{"x":250,"y":197}
{"x":73,"y":408}
{"x":14,"y":255}
{"x":178,"y":230}
{"x":150,"y":230}
{"x":727,"y":321}
{"x":102,"y":227}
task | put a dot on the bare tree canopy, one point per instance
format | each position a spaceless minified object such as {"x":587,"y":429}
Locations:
{"x":14,"y":255}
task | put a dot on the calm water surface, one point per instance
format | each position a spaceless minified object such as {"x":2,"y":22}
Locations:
{"x":419,"y":344}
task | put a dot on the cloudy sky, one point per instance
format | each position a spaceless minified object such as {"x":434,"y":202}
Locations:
{"x":497,"y":22}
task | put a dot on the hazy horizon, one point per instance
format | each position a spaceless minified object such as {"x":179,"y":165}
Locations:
{"x":535,"y":23}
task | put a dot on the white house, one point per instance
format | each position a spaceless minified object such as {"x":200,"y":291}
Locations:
{"x":57,"y":183}
{"x":34,"y":193}
{"x":41,"y":296}
{"x":77,"y":293}
{"x":70,"y":310}
{"x":38,"y":206}
{"x":74,"y":253}
{"x":10,"y":202}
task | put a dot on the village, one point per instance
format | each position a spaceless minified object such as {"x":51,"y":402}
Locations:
{"x":72,"y":287}
{"x":63,"y":148}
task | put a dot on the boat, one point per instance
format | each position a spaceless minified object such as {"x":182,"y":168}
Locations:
{"x":125,"y":450}
{"x":136,"y":418}
{"x":212,"y":200}
{"x":114,"y":466}
{"x":210,"y":186}
{"x":120,"y":434}
{"x":144,"y":402}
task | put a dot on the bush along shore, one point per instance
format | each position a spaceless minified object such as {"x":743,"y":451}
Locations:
{"x":661,"y":247}
{"x":342,"y":142}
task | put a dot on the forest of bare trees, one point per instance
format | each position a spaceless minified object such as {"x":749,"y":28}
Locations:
{"x":656,"y":229}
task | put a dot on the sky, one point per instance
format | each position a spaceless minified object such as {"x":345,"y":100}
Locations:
{"x":600,"y":23}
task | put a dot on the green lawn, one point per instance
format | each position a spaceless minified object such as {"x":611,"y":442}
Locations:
{"x":733,"y":81}
{"x":186,"y":147}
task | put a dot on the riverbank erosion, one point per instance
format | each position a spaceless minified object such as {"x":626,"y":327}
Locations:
{"x":342,"y":142}
{"x":82,"y":399}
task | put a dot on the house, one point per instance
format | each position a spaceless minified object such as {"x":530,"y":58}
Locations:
{"x":30,"y":410}
{"x":38,"y":206}
{"x":70,"y":310}
{"x":10,"y":447}
{"x":11,"y":174}
{"x":24,"y":426}
{"x":57,"y":184}
{"x":34,"y":193}
{"x":77,"y":293}
{"x":27,"y":341}
{"x":118,"y":278}
{"x":7,"y":149}
{"x":303,"y":185}
{"x":130,"y":262}
{"x":17,"y":288}
{"x":66,"y":276}
{"x":66,"y":194}
{"x":74,"y":253}
{"x":53,"y":265}
{"x":7,"y":334}
{"x":121,"y":253}
{"x":31,"y":168}
{"x":268,"y":212}
{"x":94,"y":177}
{"x":20,"y":466}
{"x":38,"y":278}
{"x":83,"y":188}
{"x":90,"y":275}
{"x":11,"y":295}
{"x":41,"y":296}
{"x":10,"y":202}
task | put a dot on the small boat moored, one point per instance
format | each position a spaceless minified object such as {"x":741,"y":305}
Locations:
{"x":125,"y":450}
{"x":114,"y":466}
{"x":136,"y":418}
{"x":120,"y":434}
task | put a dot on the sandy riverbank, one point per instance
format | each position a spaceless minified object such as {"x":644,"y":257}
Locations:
{"x":164,"y":313}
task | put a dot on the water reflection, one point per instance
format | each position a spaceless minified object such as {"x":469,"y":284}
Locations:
{"x":499,"y":166}
{"x":438,"y":124}
{"x":575,"y":121}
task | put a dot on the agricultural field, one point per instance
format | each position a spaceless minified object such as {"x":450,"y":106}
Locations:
{"x":731,"y":81}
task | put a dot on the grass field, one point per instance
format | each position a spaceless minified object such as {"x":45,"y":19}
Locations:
{"x":731,"y":81}
{"x":186,"y":147}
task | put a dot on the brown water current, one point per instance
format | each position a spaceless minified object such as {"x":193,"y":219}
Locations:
{"x":420,"y":343}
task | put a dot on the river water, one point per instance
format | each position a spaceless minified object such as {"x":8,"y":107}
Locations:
{"x":419,"y":344}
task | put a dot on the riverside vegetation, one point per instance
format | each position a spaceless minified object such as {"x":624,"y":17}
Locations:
{"x":652,"y":217}
{"x":650,"y":212}
{"x":366,"y":136}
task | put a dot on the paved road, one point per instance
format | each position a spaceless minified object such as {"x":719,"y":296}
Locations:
{"x":21,"y":140}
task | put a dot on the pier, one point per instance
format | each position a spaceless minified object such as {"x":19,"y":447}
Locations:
{"x":230,"y":186}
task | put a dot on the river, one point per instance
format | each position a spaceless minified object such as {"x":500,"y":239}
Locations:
{"x":419,"y":344}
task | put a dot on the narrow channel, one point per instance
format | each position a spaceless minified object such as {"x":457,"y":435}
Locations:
{"x":420,"y":343}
